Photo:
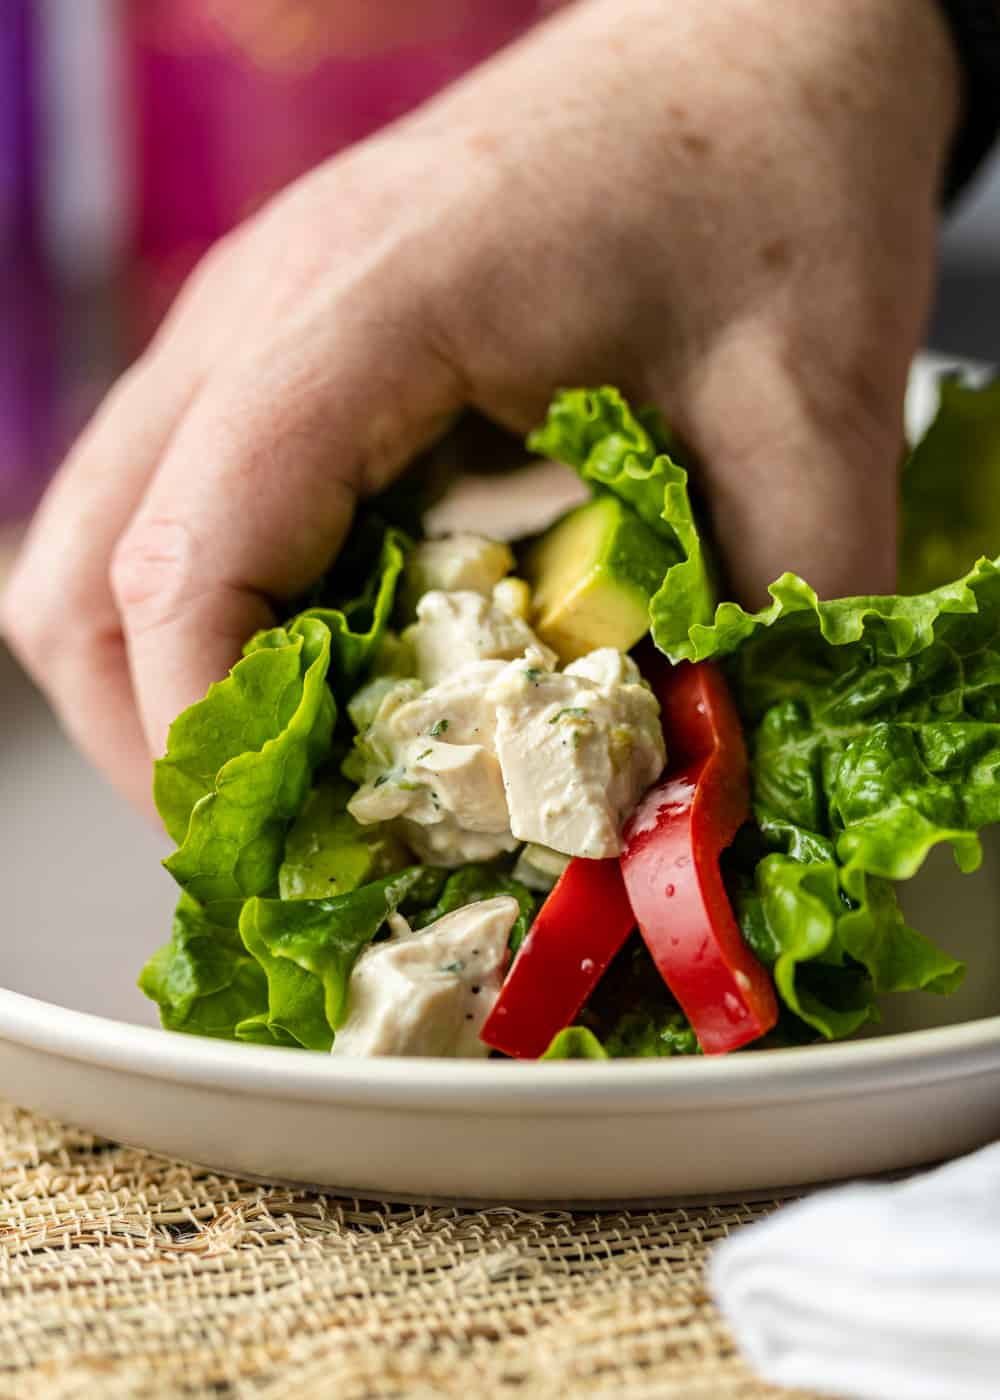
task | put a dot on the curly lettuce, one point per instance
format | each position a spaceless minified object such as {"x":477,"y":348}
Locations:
{"x":240,"y":769}
{"x":205,"y":982}
{"x":832,"y":957}
{"x":874,"y":733}
{"x":307,"y":949}
{"x":872,"y":723}
{"x":875,"y":721}
{"x":471,"y":883}
{"x":357,"y":626}
{"x":617,"y":451}
{"x":240,"y":763}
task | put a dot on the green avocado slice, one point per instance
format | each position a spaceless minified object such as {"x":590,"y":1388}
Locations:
{"x":592,"y":575}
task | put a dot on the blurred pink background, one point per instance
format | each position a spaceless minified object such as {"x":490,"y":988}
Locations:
{"x":134,"y":132}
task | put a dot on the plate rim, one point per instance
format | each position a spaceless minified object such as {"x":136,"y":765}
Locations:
{"x":879,"y":1064}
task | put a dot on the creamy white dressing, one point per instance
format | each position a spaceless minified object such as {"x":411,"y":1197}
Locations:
{"x":429,"y":992}
{"x":491,"y":745}
{"x":433,"y":769}
{"x":462,"y":562}
{"x":454,"y":629}
{"x":577,"y":751}
{"x":606,"y":667}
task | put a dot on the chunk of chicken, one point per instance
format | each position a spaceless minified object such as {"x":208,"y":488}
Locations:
{"x":431,"y":766}
{"x":458,"y":563}
{"x":429,"y":992}
{"x":576,"y":756}
{"x":455,"y":628}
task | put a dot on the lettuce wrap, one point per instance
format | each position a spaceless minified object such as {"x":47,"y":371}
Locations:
{"x":872,"y":725}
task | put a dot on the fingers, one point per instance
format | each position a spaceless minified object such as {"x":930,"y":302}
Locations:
{"x":256,"y":490}
{"x":216,"y":479}
{"x":59,"y":614}
{"x":795,"y":480}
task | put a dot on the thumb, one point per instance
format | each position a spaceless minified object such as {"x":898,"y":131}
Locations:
{"x":794,"y":479}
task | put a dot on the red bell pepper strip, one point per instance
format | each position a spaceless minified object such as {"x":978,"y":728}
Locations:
{"x":579,"y":929}
{"x":673,"y":841}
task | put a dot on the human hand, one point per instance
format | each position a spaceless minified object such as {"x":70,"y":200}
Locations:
{"x":728,"y":210}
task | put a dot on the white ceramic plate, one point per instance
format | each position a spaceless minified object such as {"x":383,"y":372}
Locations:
{"x":84,"y":903}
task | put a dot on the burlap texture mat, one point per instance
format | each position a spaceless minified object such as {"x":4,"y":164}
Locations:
{"x":123,"y":1275}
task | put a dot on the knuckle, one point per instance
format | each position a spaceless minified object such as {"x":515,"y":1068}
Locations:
{"x":133,"y":381}
{"x":22,"y":623}
{"x":848,"y":385}
{"x":858,"y":397}
{"x":149,"y":571}
{"x":204,"y":289}
{"x":33,"y":624}
{"x":861,"y":369}
{"x":130,"y":388}
{"x":213,"y":268}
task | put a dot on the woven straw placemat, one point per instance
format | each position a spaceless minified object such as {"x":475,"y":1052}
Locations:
{"x":124,"y":1275}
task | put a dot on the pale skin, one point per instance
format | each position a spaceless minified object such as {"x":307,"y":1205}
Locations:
{"x":728,"y":210}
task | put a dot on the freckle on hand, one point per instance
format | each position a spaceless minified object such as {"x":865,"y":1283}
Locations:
{"x":775,"y":253}
{"x":697,"y":144}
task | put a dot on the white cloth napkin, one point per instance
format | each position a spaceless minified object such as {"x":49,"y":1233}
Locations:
{"x":876,"y":1291}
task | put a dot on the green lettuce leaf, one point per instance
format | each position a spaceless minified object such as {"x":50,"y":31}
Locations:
{"x":575,"y":1043}
{"x":308,"y":947}
{"x":637,"y":1035}
{"x":239,"y":769}
{"x":327,"y":852}
{"x":203,"y":980}
{"x":950,"y":501}
{"x":358,"y":626}
{"x":595,"y":431}
{"x":876,"y":723}
{"x":645,"y":1034}
{"x":631,"y":1014}
{"x":905,"y":625}
{"x":472,"y":883}
{"x":833,"y":958}
{"x":873,"y":726}
{"x":239,"y":765}
{"x":871,"y":722}
{"x":237,"y":717}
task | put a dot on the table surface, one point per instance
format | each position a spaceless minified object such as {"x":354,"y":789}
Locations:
{"x":125,"y":1275}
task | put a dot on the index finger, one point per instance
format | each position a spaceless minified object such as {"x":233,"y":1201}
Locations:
{"x":256,"y":491}
{"x":59,"y":614}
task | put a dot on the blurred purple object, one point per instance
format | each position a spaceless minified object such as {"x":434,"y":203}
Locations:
{"x":234,"y":98}
{"x":27,"y":334}
{"x":29,"y":400}
{"x":18,"y":135}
